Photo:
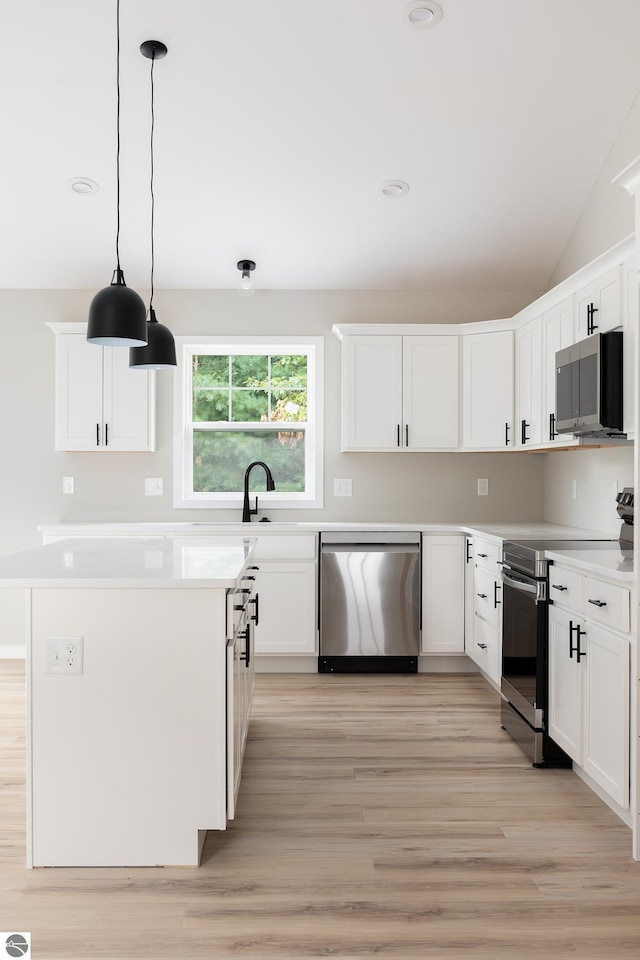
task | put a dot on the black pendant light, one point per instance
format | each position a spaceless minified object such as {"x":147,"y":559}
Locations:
{"x":160,"y":351}
{"x":117,"y":315}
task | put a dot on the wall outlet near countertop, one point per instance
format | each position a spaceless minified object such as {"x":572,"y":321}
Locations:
{"x":483,"y":488}
{"x":67,"y":484}
{"x":64,"y":655}
{"x":153,"y":487}
{"x":343,"y":488}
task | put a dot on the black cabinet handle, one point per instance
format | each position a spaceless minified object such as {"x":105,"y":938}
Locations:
{"x":496,"y":587}
{"x":106,"y":434}
{"x":398,"y":436}
{"x":524,"y":426}
{"x":552,"y":426}
{"x":468,"y":556}
{"x":246,"y":656}
{"x":484,"y":555}
{"x":482,"y":646}
{"x":598,"y":603}
{"x":506,"y":434}
{"x":591,"y":326}
{"x":256,"y":605}
{"x":579,"y":633}
{"x":482,"y":596}
{"x":97,"y":434}
{"x":406,"y":434}
{"x":559,"y":586}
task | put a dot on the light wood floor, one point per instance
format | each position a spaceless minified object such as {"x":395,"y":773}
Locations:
{"x":379,"y":817}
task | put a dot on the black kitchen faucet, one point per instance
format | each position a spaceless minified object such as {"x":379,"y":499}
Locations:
{"x":247,"y":511}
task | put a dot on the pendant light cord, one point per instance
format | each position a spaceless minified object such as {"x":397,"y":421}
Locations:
{"x":119,"y":271}
{"x":153,"y":199}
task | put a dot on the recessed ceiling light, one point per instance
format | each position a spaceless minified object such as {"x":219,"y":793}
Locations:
{"x":394,"y":188}
{"x":423,"y":13}
{"x":83,"y":186}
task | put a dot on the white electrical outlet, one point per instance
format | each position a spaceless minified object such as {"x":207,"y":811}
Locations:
{"x":153,"y":487}
{"x":483,"y":488}
{"x":67,"y":484}
{"x":64,"y":654}
{"x":342,"y":488}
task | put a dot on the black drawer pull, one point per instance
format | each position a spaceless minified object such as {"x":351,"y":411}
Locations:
{"x":598,"y":603}
{"x":559,"y":586}
{"x":482,"y":596}
{"x":485,"y":555}
{"x":482,"y":646}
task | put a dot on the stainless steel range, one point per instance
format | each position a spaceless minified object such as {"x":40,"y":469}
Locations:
{"x":524,"y":682}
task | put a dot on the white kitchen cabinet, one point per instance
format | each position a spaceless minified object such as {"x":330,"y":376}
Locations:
{"x":589,"y":677}
{"x":558,"y":328}
{"x":469,"y":613}
{"x":240,"y":683}
{"x":528,"y":343}
{"x":598,"y":305}
{"x":400,"y":393}
{"x":286,"y":582}
{"x":443,"y":593}
{"x":100,"y":403}
{"x":488,"y":390}
{"x":486,"y":645}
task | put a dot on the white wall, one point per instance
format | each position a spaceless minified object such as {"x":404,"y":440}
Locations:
{"x":608,"y":216}
{"x":595,"y":472}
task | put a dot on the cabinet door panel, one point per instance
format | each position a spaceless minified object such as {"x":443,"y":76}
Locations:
{"x":287,"y":608}
{"x":78,"y":393}
{"x":565,"y":687}
{"x":372,"y":385}
{"x":128,"y":396}
{"x":606,"y":723}
{"x":430,"y":392}
{"x":488,"y":389}
{"x":529,"y":384}
{"x":443,"y":594}
{"x":558,"y":334}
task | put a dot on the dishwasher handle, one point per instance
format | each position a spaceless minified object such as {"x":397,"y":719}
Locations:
{"x":370,"y":548}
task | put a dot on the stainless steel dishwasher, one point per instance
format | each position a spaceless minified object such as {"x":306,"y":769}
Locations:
{"x":369,"y":602}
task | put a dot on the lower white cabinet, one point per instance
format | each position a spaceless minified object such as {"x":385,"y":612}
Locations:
{"x":589,"y":699}
{"x":484,"y":592}
{"x":240,"y":682}
{"x":443,"y":593}
{"x":286,"y":607}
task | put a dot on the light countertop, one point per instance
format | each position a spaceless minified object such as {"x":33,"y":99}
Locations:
{"x":615,"y":563}
{"x":176,"y":562}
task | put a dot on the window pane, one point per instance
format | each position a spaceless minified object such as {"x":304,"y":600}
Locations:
{"x":249,"y":405}
{"x":289,"y":405}
{"x":249,"y":371}
{"x":210,"y":405}
{"x":210,"y":371}
{"x":289,"y":371}
{"x":220,"y":460}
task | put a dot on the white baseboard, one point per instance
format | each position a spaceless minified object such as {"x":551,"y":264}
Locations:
{"x":12,"y":652}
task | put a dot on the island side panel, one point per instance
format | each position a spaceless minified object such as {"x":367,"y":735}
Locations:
{"x":128,"y":758}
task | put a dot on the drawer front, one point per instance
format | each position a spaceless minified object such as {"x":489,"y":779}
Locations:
{"x":487,"y":597}
{"x":487,"y":553}
{"x":486,"y":653}
{"x":283,"y":547}
{"x":565,"y":587}
{"x":607,"y":603}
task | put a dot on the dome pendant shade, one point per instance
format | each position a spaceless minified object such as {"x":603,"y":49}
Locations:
{"x":160,"y":351}
{"x":117,"y":316}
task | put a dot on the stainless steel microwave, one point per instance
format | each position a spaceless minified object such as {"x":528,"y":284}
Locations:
{"x":589,"y":387}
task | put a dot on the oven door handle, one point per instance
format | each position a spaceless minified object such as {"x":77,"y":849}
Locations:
{"x":535,"y":588}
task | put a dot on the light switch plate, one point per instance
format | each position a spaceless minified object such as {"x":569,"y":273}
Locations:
{"x":342,"y":488}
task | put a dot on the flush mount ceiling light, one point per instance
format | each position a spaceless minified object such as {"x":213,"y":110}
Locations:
{"x":160,"y":350}
{"x":117,"y":315}
{"x":83,"y":186}
{"x":423,"y":14}
{"x":394,"y":188}
{"x":246,"y":287}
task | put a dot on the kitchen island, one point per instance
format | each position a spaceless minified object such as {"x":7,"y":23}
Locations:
{"x":131,"y":675}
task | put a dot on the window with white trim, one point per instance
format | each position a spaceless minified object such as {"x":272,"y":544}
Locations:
{"x":238,"y":400}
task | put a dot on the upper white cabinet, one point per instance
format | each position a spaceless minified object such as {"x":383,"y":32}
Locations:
{"x":558,"y":330}
{"x":529,"y":428}
{"x":400,"y":393}
{"x":488,"y":390}
{"x":101,"y":404}
{"x":598,"y":305}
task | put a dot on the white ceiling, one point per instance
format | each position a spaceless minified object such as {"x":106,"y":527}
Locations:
{"x":276,"y":122}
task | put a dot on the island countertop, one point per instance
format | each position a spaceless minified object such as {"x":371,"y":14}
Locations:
{"x":179,"y":562}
